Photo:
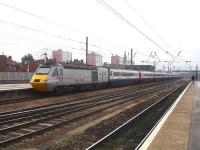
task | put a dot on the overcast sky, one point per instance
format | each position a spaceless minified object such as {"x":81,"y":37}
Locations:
{"x":172,"y":25}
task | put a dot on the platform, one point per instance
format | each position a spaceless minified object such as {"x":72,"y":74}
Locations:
{"x":9,"y":87}
{"x":179,"y":129}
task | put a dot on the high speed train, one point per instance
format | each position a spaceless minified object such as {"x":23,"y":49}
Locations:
{"x":53,"y":76}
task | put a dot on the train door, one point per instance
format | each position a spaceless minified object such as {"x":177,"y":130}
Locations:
{"x":140,"y":75}
{"x":94,"y":75}
{"x":58,"y":75}
{"x":105,"y":75}
{"x":55,"y":75}
{"x":61,"y":75}
{"x":100,"y":75}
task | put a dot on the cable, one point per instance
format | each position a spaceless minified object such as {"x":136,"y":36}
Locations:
{"x":149,"y":25}
{"x":40,"y":17}
{"x":53,"y":22}
{"x":106,"y":5}
{"x":48,"y":20}
{"x":17,"y":37}
{"x":40,"y":31}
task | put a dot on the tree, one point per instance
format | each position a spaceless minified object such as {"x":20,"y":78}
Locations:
{"x":27,"y":59}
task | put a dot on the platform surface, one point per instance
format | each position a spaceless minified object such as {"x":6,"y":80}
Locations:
{"x":194,"y":140}
{"x":180,"y":129}
{"x":5,"y":87}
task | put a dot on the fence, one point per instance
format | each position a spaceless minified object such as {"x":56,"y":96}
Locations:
{"x":15,"y":76}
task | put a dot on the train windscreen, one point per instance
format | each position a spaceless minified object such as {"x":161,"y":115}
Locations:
{"x":43,"y":71}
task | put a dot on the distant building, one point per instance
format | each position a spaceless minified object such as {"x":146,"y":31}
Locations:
{"x":116,"y":60}
{"x":7,"y":64}
{"x":94,"y":59}
{"x":62,"y":56}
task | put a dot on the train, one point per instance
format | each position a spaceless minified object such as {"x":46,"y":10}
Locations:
{"x":53,"y":76}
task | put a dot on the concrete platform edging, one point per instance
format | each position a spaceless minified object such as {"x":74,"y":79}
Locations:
{"x":153,"y":134}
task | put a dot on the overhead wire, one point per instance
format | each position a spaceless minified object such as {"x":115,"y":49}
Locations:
{"x":39,"y":31}
{"x":114,"y":11}
{"x":40,"y":17}
{"x":149,"y":25}
{"x":110,"y":8}
{"x":50,"y":21}
{"x":153,"y":29}
{"x":46,"y":20}
{"x":15,"y":43}
{"x":54,"y":22}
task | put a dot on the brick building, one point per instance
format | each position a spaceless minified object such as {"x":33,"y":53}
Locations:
{"x":7,"y":64}
{"x":25,"y":68}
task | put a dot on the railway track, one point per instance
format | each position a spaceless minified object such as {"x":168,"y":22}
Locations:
{"x":37,"y":96}
{"x":25,"y":123}
{"x":134,"y":132}
{"x":83,"y":99}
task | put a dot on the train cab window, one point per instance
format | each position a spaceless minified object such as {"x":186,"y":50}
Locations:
{"x":55,"y":73}
{"x":43,"y":71}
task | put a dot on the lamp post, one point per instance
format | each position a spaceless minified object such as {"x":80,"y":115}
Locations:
{"x":167,"y":64}
{"x":186,"y":62}
{"x":163,"y":71}
{"x":197,"y":72}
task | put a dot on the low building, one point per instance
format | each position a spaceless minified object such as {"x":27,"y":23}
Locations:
{"x":7,"y":64}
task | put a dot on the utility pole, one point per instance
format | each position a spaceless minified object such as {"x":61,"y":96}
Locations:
{"x":86,"y":50}
{"x":196,"y":72}
{"x":131,"y":57}
{"x":154,"y":63}
{"x":45,"y":57}
{"x":168,"y":68}
{"x":163,"y":71}
{"x":186,"y":62}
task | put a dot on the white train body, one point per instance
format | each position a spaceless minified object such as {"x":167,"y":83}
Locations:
{"x":50,"y":76}
{"x":116,"y":74}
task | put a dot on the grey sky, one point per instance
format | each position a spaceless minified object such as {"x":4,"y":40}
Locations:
{"x":175,"y":20}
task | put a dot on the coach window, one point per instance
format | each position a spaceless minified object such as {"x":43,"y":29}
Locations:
{"x":55,"y":73}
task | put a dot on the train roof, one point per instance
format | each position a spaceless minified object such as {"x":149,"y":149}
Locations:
{"x":72,"y":66}
{"x":123,"y":70}
{"x":80,"y":66}
{"x":50,"y":64}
